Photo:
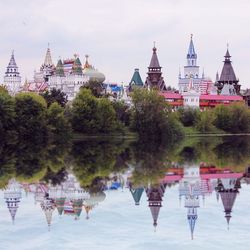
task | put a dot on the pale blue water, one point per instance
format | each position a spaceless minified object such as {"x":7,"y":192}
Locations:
{"x":116,"y":223}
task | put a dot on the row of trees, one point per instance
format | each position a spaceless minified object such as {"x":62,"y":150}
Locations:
{"x":29,"y":116}
{"x":233,"y":118}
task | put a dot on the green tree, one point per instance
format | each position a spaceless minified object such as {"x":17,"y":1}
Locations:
{"x":123,"y":112}
{"x":7,"y":117}
{"x":240,"y":118}
{"x":151,"y":116}
{"x":55,"y":95}
{"x":92,"y":115}
{"x":31,"y":121}
{"x":204,"y":123}
{"x":84,"y":112}
{"x":188,"y":116}
{"x":106,"y":116}
{"x":222,"y":117}
{"x":58,"y":124}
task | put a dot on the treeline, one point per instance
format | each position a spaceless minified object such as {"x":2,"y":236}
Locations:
{"x":234,"y":118}
{"x":49,"y":117}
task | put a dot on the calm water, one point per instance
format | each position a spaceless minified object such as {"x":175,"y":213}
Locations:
{"x":103,"y":194}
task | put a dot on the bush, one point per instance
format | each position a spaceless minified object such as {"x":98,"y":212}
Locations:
{"x":188,"y":116}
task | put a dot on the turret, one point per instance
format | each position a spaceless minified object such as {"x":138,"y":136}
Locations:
{"x":136,"y":80}
{"x":228,"y":76}
{"x":12,"y":78}
{"x":47,"y":69}
{"x":154,"y":78}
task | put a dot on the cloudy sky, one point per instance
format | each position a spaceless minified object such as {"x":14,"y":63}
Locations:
{"x":119,"y":35}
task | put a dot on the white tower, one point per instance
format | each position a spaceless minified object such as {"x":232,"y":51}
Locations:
{"x":191,"y":70}
{"x":12,"y":78}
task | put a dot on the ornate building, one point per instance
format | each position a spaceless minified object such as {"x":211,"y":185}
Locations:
{"x":12,"y":78}
{"x":69,"y":76}
{"x":228,"y":78}
{"x":191,"y":71}
{"x":154,"y":78}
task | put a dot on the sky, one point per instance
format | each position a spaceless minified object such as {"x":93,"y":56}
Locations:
{"x":118,"y":35}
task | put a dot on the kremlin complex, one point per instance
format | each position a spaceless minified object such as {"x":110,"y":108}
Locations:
{"x":194,"y":89}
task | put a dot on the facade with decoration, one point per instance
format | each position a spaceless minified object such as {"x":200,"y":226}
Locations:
{"x":68,"y":76}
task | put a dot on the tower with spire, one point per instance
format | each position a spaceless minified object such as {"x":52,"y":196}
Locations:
{"x":12,"y":196}
{"x":155,"y":195}
{"x":228,"y":190}
{"x":191,"y":70}
{"x":228,"y":76}
{"x":12,"y":78}
{"x":47,"y":69}
{"x":154,"y":78}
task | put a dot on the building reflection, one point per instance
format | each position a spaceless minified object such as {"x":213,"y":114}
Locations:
{"x":196,"y":183}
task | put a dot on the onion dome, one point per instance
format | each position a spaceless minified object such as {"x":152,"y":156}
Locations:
{"x":12,"y":196}
{"x":93,"y":74}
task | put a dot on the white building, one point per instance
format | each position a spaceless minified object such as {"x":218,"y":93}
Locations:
{"x":191,"y":97}
{"x":12,"y":78}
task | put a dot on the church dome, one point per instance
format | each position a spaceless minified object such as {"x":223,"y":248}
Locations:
{"x":94,"y":75}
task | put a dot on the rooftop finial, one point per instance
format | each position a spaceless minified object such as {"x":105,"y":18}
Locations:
{"x":191,"y":36}
{"x":12,"y":52}
{"x":154,"y":44}
{"x":48,"y":45}
{"x":227,"y":45}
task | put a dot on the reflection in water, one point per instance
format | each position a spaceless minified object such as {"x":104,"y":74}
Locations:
{"x":72,"y":182}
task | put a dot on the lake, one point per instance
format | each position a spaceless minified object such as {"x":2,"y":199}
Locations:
{"x":126,"y":194}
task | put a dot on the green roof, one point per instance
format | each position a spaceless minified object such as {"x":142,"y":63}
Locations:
{"x":59,"y":68}
{"x":77,"y":67}
{"x":136,"y":79}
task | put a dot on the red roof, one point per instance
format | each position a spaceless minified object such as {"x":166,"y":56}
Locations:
{"x":221,"y":97}
{"x":171,"y":95}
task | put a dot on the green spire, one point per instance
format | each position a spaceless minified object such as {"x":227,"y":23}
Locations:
{"x":137,"y":193}
{"x":136,"y":79}
{"x":77,"y":67}
{"x":59,"y":68}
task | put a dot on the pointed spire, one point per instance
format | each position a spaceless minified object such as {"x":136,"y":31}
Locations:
{"x":59,"y":68}
{"x":136,"y":79}
{"x":77,"y":66}
{"x":48,"y":60}
{"x":191,"y":51}
{"x":192,"y":220}
{"x":137,"y":193}
{"x":154,"y":63}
